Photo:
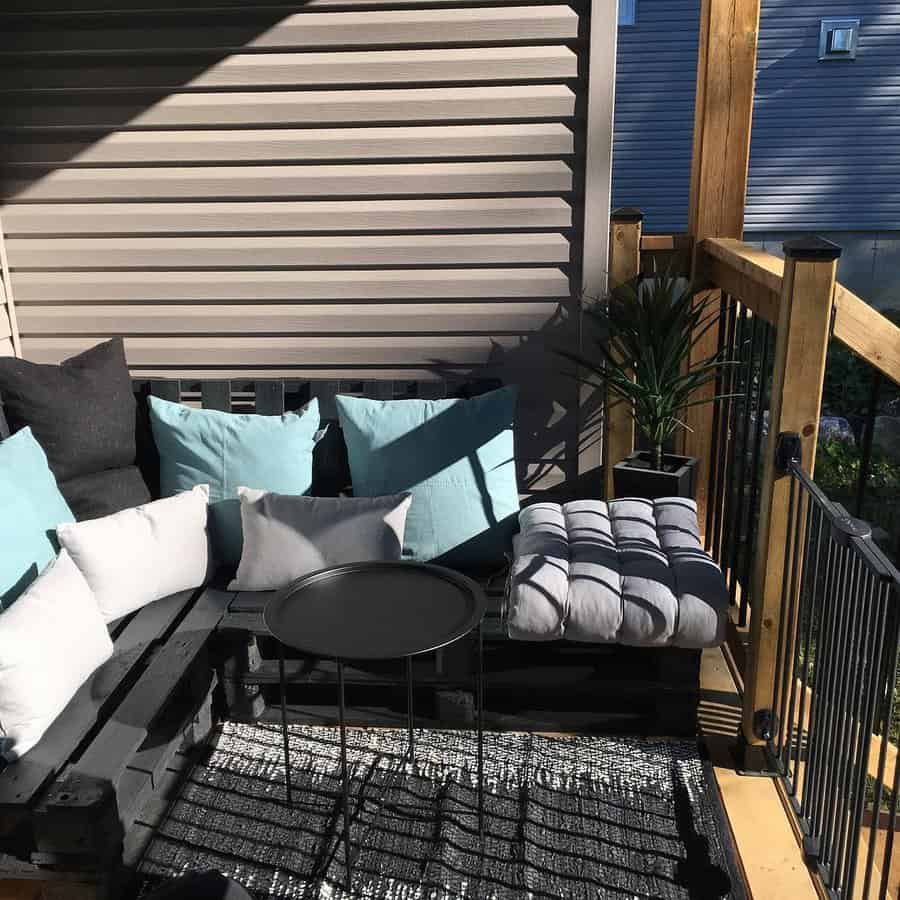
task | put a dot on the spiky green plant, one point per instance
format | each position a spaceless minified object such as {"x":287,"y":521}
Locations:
{"x":647,"y":329}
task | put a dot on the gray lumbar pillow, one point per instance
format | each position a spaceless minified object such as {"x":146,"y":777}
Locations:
{"x":287,"y":536}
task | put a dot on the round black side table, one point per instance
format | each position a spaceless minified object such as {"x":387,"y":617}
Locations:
{"x":377,"y":610}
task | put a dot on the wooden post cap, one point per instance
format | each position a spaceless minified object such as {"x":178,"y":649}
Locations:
{"x":811,"y":249}
{"x":626,"y":214}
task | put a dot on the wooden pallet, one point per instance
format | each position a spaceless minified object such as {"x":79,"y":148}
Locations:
{"x":67,"y":807}
{"x":558,"y":685}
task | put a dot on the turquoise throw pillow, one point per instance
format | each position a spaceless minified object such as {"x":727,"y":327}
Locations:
{"x":31,"y":507}
{"x":457,"y":459}
{"x":228,"y":451}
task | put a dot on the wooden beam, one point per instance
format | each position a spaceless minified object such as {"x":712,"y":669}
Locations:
{"x":803,"y":332}
{"x":758,"y":299}
{"x":747,"y":273}
{"x":726,"y":72}
{"x":867,"y":333}
{"x":655,"y":243}
{"x":624,"y":264}
{"x":760,"y":267}
{"x":755,"y":277}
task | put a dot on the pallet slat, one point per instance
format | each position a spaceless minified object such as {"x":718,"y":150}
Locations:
{"x":21,"y":782}
{"x":269,"y":397}
{"x":87,"y":784}
{"x":216,"y":395}
{"x":283,"y":351}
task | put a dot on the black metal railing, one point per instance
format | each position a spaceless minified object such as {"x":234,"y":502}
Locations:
{"x":834,"y":721}
{"x":740,"y":426}
{"x":858,"y":460}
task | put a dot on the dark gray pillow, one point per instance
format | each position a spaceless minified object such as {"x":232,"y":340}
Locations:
{"x":104,"y":493}
{"x":288,"y":536}
{"x":82,"y":413}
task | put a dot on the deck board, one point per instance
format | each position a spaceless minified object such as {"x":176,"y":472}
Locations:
{"x":766,"y":845}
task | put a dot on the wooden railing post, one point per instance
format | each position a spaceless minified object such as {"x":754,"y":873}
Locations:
{"x":723,"y":112}
{"x":803,"y":331}
{"x":624,"y":264}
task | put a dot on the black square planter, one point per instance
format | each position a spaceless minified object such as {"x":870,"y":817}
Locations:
{"x":636,"y":477}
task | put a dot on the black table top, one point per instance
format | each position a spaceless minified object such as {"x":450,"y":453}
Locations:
{"x":376,"y":610}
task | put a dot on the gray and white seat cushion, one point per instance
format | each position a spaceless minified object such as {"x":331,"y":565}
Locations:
{"x":630,"y":572}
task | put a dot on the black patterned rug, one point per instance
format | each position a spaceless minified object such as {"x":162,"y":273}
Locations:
{"x":566,"y":817}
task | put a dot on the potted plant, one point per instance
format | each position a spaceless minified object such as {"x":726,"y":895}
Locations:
{"x":646,"y":330}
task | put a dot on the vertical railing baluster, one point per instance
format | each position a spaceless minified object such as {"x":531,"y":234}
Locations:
{"x":829,"y":664}
{"x":781,"y":655}
{"x":836,"y":782}
{"x":804,"y":524}
{"x":732,"y":487}
{"x":722,"y":462}
{"x":811,"y":592}
{"x":716,"y":447}
{"x":888,"y":859}
{"x":886,"y":701}
{"x":817,"y":711}
{"x":865,"y":461}
{"x":854,"y":715}
{"x":741,"y":459}
{"x":874,"y":647}
{"x":762,"y":397}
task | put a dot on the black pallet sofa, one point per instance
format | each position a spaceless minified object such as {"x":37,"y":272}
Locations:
{"x":81,"y":806}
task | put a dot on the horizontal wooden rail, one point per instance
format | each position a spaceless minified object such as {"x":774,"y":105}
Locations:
{"x":751,"y":275}
{"x":655,"y":243}
{"x":867,"y":333}
{"x":754,"y":277}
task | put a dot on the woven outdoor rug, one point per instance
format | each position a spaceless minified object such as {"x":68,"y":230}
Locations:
{"x":565,"y":817}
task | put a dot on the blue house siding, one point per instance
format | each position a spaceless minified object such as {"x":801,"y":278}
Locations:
{"x":825,"y":148}
{"x":654,"y":120}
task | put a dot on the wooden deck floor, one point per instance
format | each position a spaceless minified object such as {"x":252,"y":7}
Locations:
{"x":765,"y":839}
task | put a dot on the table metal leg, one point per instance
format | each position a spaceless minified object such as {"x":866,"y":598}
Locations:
{"x":284,"y":728}
{"x":409,"y":706}
{"x":344,"y":776}
{"x":480,"y":727}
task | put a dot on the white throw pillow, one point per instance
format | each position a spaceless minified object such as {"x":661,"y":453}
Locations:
{"x":287,"y":536}
{"x":136,"y":556}
{"x":51,"y":639}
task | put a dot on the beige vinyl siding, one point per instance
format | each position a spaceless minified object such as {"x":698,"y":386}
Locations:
{"x":332,"y":189}
{"x":221,"y":146}
{"x":244,"y":70}
{"x":295,"y":216}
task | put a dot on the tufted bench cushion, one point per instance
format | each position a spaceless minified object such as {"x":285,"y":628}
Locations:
{"x":630,"y":572}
